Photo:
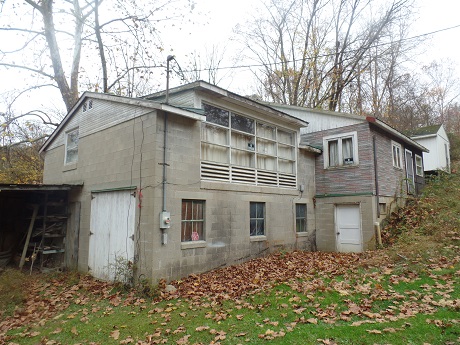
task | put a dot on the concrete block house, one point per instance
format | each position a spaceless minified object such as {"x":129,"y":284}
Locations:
{"x":208,"y":179}
{"x":365,"y":170}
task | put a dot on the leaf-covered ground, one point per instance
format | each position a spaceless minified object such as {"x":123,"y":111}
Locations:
{"x":408,"y":293}
{"x":295,"y":298}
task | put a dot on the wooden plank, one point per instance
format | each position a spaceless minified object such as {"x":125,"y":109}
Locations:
{"x":29,"y":233}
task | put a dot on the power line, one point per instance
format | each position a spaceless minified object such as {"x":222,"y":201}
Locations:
{"x":322,"y":55}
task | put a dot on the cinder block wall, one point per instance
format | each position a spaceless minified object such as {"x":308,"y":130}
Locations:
{"x":130,"y":153}
{"x":326,"y":238}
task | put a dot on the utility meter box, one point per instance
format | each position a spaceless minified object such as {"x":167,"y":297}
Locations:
{"x":165,"y":220}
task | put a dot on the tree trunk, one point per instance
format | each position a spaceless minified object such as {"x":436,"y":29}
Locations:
{"x":69,"y":96}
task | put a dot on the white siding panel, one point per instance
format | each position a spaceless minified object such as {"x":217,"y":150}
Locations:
{"x":320,"y":120}
{"x":181,"y":99}
{"x":103,"y":115}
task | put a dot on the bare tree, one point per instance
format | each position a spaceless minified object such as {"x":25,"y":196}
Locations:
{"x":312,"y":51}
{"x":207,"y":65}
{"x":92,"y":32}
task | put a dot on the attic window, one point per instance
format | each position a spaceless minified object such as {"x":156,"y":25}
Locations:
{"x":87,"y":105}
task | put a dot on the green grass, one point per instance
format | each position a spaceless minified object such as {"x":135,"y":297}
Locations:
{"x":408,"y":293}
{"x":282,"y":314}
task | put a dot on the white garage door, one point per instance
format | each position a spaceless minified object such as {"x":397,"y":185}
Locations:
{"x":348,"y":228}
{"x":111,"y":241}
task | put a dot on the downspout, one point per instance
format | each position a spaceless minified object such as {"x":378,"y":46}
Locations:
{"x":376,"y":177}
{"x":164,"y":158}
{"x":168,"y":59}
{"x":165,"y":217}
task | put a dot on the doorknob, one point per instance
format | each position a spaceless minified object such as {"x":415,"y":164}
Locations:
{"x":131,"y":237}
{"x":338,"y":233}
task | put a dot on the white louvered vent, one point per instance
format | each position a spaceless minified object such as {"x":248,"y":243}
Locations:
{"x":286,"y":180}
{"x":213,"y":171}
{"x":243,"y":175}
{"x":267,"y":178}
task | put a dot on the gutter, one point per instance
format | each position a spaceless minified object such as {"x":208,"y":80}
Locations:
{"x":396,"y":133}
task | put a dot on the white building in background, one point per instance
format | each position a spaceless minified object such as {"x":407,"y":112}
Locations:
{"x":435,"y":139}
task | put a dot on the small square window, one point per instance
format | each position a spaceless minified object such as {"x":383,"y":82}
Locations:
{"x":192,"y":227}
{"x":71,"y":146}
{"x":301,"y":218}
{"x":257,"y":219}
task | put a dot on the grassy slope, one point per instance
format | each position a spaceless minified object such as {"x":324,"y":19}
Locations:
{"x":408,"y":293}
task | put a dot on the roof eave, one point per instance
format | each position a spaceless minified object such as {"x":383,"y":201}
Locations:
{"x":126,"y":100}
{"x":396,"y":133}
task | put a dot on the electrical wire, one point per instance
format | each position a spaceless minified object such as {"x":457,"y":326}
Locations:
{"x":248,"y":66}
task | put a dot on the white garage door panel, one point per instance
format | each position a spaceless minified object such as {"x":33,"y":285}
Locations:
{"x":348,"y":228}
{"x":112,"y":232}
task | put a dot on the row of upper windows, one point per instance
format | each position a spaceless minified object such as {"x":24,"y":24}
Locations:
{"x":193,"y":219}
{"x":229,"y":138}
{"x":237,"y":140}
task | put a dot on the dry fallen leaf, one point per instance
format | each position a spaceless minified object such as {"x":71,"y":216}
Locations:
{"x":373,"y":331}
{"x":115,"y":334}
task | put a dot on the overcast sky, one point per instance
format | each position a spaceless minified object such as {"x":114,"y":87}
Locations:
{"x":214,"y":21}
{"x":218,"y":18}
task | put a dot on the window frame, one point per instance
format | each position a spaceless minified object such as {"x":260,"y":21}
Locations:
{"x":398,"y":164}
{"x":87,"y":106}
{"x":202,"y":221}
{"x":257,"y":219}
{"x":301,"y":218}
{"x":73,"y":147}
{"x":418,"y":166}
{"x":244,"y":149}
{"x":340,"y":138}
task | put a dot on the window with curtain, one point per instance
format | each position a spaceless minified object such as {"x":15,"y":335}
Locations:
{"x":247,"y":146}
{"x":332,"y":147}
{"x":341,"y":150}
{"x":192,"y":224}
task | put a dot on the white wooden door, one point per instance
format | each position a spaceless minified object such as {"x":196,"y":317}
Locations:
{"x":111,"y":239}
{"x":348,"y":228}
